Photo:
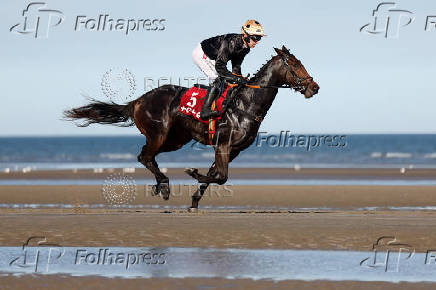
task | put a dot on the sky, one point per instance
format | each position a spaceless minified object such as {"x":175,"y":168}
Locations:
{"x":369,"y":83}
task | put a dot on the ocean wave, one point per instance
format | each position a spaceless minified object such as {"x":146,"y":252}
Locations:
{"x":398,"y":155}
{"x":376,"y":155}
{"x":117,"y":156}
{"x":430,"y":155}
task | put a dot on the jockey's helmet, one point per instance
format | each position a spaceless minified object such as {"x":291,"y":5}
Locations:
{"x":252,"y":27}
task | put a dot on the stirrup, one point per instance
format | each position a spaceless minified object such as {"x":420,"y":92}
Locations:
{"x":209,"y":114}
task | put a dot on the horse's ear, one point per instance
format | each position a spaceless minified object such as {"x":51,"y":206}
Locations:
{"x":284,"y":49}
{"x":279,"y":52}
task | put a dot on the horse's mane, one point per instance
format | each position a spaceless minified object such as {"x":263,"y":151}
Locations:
{"x":261,"y":70}
{"x":259,"y":73}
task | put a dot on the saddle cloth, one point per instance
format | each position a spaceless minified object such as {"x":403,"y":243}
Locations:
{"x":193,"y":100}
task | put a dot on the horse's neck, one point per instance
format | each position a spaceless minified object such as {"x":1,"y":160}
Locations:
{"x":258,"y":101}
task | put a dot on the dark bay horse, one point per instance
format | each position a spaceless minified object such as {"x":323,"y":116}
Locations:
{"x":156,"y":115}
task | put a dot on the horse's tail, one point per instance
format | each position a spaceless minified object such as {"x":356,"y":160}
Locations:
{"x":103,"y":113}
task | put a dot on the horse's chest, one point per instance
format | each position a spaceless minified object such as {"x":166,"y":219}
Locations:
{"x":242,"y":138}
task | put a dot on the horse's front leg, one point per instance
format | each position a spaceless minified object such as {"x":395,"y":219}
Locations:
{"x":220,"y":172}
{"x":203,"y":187}
{"x":198,"y":194}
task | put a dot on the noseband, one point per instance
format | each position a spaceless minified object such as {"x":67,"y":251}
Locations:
{"x":299,"y":81}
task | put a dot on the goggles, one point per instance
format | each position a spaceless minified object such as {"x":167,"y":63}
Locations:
{"x":255,"y":38}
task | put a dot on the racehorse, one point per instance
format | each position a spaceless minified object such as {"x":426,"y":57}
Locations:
{"x":156,"y":115}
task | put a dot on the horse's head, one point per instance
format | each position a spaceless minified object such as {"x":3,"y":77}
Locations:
{"x":294,"y":74}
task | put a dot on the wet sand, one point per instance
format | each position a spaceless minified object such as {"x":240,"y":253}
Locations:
{"x":270,"y":217}
{"x":218,"y":229}
{"x":247,"y":196}
{"x":67,"y":282}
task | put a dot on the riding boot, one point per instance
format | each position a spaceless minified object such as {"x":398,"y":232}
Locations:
{"x":206,"y":111}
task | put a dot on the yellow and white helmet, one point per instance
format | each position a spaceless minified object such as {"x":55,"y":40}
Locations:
{"x":252,"y":27}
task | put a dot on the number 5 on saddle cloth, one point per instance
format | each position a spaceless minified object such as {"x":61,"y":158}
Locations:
{"x":192,"y":103}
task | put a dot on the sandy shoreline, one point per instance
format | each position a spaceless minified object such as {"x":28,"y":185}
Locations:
{"x":233,"y":216}
{"x":238,"y":173}
{"x":256,"y":230}
{"x":295,"y":217}
{"x":66,"y":282}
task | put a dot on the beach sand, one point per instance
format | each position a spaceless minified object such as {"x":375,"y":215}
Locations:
{"x":66,"y":282}
{"x":257,"y":217}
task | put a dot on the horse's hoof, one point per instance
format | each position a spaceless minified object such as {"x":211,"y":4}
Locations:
{"x":165,"y":191}
{"x":193,"y":209}
{"x":191,"y":171}
{"x":154,"y":190}
{"x":161,"y":189}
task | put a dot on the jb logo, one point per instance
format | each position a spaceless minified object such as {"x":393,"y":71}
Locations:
{"x":37,"y":258}
{"x":38,"y":20}
{"x":388,"y":253}
{"x":387,"y":20}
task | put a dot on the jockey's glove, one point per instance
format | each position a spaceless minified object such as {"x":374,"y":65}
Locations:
{"x":241,"y":81}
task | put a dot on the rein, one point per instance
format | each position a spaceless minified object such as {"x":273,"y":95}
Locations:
{"x":299,"y":87}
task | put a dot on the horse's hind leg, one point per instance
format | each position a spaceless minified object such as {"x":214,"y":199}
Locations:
{"x":147,"y":158}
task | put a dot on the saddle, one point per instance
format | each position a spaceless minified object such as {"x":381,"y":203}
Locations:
{"x":193,"y":99}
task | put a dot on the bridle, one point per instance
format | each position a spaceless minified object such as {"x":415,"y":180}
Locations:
{"x":299,"y":81}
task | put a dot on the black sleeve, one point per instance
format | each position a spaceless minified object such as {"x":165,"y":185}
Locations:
{"x":221,"y":61}
{"x":236,"y":64}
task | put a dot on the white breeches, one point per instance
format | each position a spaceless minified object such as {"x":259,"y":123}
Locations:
{"x":206,"y":65}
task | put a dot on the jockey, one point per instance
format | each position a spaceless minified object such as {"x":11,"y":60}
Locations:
{"x":212,"y":55}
